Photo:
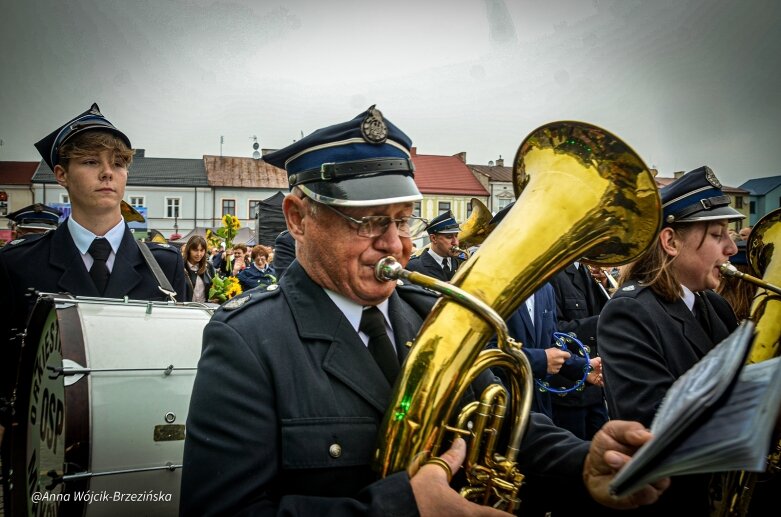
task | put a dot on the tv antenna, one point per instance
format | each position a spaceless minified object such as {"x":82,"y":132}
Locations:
{"x":255,"y":146}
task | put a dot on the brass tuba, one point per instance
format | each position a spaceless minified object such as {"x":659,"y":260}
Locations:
{"x":581,"y":192}
{"x":735,"y":489}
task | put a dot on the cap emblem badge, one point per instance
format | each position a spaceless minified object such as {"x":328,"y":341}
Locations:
{"x":373,"y":127}
{"x":711,"y":178}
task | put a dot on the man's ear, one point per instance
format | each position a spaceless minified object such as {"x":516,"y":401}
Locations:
{"x":61,"y":175}
{"x":667,"y":238}
{"x":295,"y":211}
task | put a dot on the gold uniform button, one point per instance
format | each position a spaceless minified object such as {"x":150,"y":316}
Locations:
{"x":335,"y":450}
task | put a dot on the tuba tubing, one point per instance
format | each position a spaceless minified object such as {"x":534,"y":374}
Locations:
{"x":595,"y":198}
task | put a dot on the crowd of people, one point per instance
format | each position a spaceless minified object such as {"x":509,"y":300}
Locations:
{"x":285,"y":419}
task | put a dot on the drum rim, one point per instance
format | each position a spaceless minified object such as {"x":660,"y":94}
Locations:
{"x":77,"y":424}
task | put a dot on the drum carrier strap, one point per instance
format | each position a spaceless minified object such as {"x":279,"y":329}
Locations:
{"x":163,"y":284}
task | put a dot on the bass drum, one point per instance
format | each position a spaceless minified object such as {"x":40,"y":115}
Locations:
{"x":101,"y":403}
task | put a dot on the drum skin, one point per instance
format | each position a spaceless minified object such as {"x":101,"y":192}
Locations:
{"x":116,"y":433}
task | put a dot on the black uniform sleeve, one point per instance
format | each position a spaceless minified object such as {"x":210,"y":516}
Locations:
{"x":634,"y":365}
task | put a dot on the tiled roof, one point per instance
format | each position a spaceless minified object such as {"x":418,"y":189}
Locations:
{"x":235,"y":171}
{"x":761,"y":186}
{"x":494,"y":173}
{"x":17,"y":173}
{"x":445,"y":175}
{"x":150,"y":172}
{"x":663,"y":182}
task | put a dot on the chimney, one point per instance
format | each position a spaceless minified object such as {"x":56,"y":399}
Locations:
{"x":678,"y":174}
{"x":413,"y":151}
{"x":461,"y":156}
{"x":139,"y":153}
{"x":500,"y":161}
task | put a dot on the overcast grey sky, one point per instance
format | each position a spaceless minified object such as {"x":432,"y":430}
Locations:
{"x":684,"y":82}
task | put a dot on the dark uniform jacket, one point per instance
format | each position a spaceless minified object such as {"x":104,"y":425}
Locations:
{"x":578,"y":308}
{"x":646,"y":344}
{"x":425,"y":263}
{"x":536,"y":338}
{"x":285,"y":419}
{"x":284,"y":252}
{"x":52,"y":263}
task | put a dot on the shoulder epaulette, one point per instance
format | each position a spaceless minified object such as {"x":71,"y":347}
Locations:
{"x":239,"y":303}
{"x":23,"y":241}
{"x":630,"y":289}
{"x":162,"y":246}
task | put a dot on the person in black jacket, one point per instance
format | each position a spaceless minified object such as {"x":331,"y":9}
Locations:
{"x":442,"y":258}
{"x":92,"y":253}
{"x":666,"y":316}
{"x":284,"y":252}
{"x":285,"y":419}
{"x":579,"y":300}
{"x":198,"y":270}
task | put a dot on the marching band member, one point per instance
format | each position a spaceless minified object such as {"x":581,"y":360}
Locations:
{"x":666,"y":316}
{"x":285,"y":421}
{"x":442,"y":258}
{"x":92,"y":253}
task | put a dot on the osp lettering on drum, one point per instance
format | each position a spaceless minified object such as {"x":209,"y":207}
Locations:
{"x":46,"y":410}
{"x":52,"y":404}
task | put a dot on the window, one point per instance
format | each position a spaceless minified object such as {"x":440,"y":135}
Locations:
{"x":416,"y":209}
{"x":444,"y":206}
{"x":503,"y":203}
{"x":172,"y":206}
{"x":738,"y":201}
{"x":65,"y":198}
{"x":137,"y":201}
{"x":468,"y":209}
{"x":254,"y":206}
{"x":752,"y":207}
{"x":229,"y":206}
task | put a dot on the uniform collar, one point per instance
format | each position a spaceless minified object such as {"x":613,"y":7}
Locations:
{"x":83,"y":238}
{"x":436,"y":256}
{"x":688,"y":297}
{"x":354,"y":311}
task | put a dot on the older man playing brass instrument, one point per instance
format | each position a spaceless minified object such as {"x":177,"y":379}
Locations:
{"x":285,"y":420}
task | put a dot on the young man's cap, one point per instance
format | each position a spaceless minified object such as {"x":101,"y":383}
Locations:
{"x":362,"y":162}
{"x":696,"y":196}
{"x":91,"y":119}
{"x":443,"y":223}
{"x":36,"y":216}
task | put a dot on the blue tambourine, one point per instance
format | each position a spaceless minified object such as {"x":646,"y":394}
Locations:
{"x":564,"y":341}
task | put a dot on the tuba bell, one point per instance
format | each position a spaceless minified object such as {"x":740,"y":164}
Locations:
{"x":477,"y":227}
{"x":734,"y":490}
{"x":581,"y":192}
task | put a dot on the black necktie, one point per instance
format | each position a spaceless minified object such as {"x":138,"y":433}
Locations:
{"x":446,"y":268}
{"x":380,"y":346}
{"x":100,"y":249}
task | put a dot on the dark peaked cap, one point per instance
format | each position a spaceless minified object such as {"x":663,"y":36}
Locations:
{"x":37,"y":216}
{"x":696,"y":196}
{"x":362,"y":162}
{"x":443,"y":223}
{"x":91,"y":119}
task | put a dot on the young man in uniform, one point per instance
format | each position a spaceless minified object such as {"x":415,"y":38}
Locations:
{"x":93,"y":253}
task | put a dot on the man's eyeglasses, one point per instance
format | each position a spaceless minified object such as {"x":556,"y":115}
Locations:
{"x":376,"y":225}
